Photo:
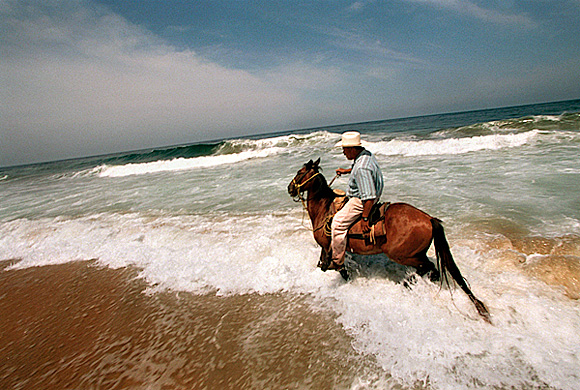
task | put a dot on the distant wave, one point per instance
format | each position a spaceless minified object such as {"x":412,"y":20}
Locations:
{"x":463,"y":145}
{"x":316,"y":138}
{"x":167,"y":153}
{"x":227,"y":152}
{"x":563,"y":122}
{"x":492,"y":135}
{"x":180,"y":164}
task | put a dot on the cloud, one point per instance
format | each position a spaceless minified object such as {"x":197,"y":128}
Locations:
{"x":359,"y":5}
{"x":369,"y":47}
{"x":482,"y":13}
{"x":78,"y":79}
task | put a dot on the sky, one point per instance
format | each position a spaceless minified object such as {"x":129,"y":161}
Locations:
{"x":90,"y":77}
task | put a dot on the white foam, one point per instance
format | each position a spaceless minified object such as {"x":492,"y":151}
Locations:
{"x":285,"y":141}
{"x":427,"y":336}
{"x":188,"y":253}
{"x":453,"y":145}
{"x":422,"y":335}
{"x":180,"y":164}
{"x":251,"y":149}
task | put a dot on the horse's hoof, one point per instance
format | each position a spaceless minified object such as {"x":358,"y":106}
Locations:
{"x":409,"y":282}
{"x":344,"y":274}
{"x":428,"y":270}
{"x":434,"y":276}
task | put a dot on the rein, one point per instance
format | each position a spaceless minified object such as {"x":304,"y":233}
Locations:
{"x":300,"y":197}
{"x":333,"y":179}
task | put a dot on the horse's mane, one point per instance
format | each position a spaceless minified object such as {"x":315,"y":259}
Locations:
{"x":324,"y":190}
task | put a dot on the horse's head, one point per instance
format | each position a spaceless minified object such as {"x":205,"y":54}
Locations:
{"x":303,"y":180}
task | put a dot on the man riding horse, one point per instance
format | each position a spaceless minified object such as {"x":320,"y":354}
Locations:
{"x":405,"y":232}
{"x":365,"y":187}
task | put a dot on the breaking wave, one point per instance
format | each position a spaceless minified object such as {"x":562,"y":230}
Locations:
{"x":228,"y":152}
{"x":180,"y":164}
{"x":450,"y":146}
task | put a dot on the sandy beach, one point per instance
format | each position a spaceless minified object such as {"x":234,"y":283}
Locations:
{"x":81,"y":326}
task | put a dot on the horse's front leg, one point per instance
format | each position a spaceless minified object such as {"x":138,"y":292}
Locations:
{"x":325,"y":258}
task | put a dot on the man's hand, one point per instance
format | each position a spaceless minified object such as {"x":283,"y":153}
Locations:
{"x":343,"y":171}
{"x":367,"y":206}
{"x":365,"y":226}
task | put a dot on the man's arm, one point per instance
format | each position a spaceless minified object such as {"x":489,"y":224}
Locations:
{"x":343,"y":171}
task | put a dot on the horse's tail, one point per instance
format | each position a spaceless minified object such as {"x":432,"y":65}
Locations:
{"x":447,"y":266}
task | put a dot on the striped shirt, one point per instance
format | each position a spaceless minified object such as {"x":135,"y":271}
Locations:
{"x":366,"y":180}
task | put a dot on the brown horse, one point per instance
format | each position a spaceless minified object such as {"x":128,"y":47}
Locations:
{"x":409,"y":233}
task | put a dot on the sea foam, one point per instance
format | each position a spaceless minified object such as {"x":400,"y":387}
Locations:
{"x":415,"y":147}
{"x":422,"y":335}
{"x":230,"y":152}
{"x":181,"y":164}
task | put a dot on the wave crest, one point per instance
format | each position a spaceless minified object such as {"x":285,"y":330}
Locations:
{"x":453,"y":145}
{"x":285,"y":141}
{"x":180,"y":164}
{"x":229,"y":152}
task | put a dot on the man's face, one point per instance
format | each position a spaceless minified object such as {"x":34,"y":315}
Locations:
{"x":349,"y":152}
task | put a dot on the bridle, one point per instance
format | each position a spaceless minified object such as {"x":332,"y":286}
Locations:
{"x":300,"y":197}
{"x":300,"y":192}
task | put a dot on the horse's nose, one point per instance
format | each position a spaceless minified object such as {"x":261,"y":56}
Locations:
{"x":291,"y":189}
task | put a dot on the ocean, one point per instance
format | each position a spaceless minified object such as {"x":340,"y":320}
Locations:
{"x":190,"y":267}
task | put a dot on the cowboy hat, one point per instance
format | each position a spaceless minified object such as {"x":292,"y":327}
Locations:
{"x":351,"y":139}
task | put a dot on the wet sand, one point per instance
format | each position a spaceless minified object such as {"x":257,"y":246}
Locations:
{"x":81,"y":326}
{"x":553,"y":260}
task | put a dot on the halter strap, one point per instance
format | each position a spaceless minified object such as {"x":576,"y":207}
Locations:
{"x":300,"y":192}
{"x":301,"y":184}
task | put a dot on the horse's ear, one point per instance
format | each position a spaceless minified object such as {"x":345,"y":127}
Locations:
{"x":316,"y":163}
{"x":309,"y":164}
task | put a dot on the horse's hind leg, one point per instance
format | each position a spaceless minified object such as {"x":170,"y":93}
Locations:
{"x":427,"y":268}
{"x":424,"y":267}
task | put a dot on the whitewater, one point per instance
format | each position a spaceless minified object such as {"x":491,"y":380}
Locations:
{"x":214,"y":221}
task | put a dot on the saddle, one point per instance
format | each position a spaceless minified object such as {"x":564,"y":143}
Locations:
{"x":376,"y":219}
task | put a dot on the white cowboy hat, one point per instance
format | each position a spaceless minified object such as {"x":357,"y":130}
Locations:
{"x":351,"y":139}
